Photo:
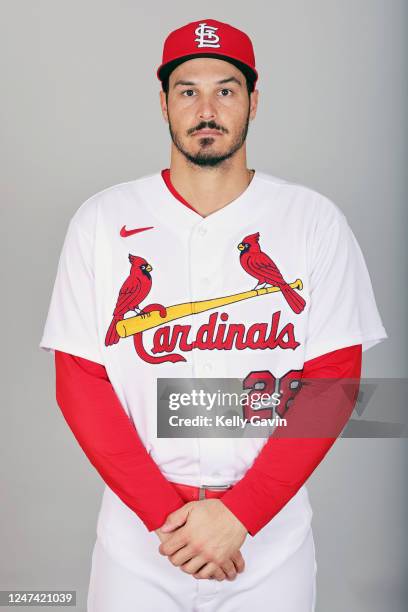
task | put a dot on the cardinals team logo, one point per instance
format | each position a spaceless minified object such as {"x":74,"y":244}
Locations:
{"x":216,"y":334}
{"x":260,"y":266}
{"x":206,"y":36}
{"x":135,"y":288}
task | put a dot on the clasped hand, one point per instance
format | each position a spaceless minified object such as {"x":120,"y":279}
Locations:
{"x":203,"y":538}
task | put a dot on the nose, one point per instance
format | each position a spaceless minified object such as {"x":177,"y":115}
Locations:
{"x":206,"y":111}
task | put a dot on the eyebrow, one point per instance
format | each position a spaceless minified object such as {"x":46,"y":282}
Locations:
{"x":227,"y":80}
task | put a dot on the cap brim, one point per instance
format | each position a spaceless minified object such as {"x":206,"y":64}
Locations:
{"x":165,"y":69}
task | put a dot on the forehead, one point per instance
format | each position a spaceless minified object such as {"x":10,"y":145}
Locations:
{"x":205,"y":69}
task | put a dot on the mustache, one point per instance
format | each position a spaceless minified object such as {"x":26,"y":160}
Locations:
{"x":210,"y":125}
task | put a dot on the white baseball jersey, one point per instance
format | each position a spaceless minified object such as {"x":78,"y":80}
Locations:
{"x":138,"y":235}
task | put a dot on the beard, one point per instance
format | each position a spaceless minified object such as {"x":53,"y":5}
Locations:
{"x":210,"y":159}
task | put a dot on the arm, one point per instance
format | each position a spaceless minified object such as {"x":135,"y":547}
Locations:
{"x":285,"y":463}
{"x":96,"y":417}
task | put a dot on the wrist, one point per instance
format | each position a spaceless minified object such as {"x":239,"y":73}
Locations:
{"x":240,"y":525}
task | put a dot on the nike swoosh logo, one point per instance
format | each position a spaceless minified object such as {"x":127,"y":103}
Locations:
{"x":125,"y":233}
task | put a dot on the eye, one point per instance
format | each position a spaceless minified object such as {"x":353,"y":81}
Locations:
{"x":187,"y":91}
{"x":224,"y":90}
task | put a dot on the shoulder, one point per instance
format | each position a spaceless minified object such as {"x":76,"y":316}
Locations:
{"x":107,"y":199}
{"x":319,"y":208}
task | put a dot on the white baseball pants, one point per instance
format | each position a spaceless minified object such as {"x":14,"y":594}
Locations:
{"x":145,"y":581}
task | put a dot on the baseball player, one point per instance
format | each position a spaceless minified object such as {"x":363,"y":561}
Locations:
{"x":205,"y":269}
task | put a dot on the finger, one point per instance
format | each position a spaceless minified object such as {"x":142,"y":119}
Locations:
{"x":238,"y":561}
{"x":194,"y":565}
{"x":219,"y":574}
{"x":210,"y":570}
{"x":173,"y":544}
{"x":183,"y":556}
{"x":176,"y":518}
{"x":229,"y":569}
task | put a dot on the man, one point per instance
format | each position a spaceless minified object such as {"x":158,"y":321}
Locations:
{"x":207,"y":269}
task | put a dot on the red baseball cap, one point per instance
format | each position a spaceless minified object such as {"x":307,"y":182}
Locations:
{"x":208,"y":38}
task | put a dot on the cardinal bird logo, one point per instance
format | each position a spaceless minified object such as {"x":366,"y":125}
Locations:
{"x":260,"y":266}
{"x":133,"y":291}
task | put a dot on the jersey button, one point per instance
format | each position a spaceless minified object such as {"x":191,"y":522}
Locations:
{"x":207,"y":367}
{"x":202,"y":231}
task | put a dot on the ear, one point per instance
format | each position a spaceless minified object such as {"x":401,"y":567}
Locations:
{"x":253,"y":104}
{"x":163,"y":105}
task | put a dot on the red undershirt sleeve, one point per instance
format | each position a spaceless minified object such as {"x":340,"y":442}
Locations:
{"x":105,"y":433}
{"x":107,"y":436}
{"x":288,"y":458}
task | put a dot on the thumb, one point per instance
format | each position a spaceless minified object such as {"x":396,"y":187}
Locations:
{"x":175,"y":519}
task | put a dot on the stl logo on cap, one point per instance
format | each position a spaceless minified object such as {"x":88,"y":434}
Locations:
{"x":206,"y":36}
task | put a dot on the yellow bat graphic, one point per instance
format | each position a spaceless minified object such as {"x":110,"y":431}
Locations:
{"x":140,"y":323}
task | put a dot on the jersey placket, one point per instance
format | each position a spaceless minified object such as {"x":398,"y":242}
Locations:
{"x":205,"y":363}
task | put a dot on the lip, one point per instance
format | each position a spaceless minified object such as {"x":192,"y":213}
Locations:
{"x":208,"y":132}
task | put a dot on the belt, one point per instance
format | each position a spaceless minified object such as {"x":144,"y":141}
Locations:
{"x":192,"y":493}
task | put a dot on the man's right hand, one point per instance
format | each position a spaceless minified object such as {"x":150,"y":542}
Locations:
{"x":218,"y":572}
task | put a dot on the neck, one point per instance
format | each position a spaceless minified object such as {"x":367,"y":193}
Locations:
{"x":209,"y":189}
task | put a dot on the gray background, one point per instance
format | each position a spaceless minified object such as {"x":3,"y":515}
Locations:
{"x":80,"y":112}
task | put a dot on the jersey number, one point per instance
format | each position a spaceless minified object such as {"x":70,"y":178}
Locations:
{"x":283,"y":390}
